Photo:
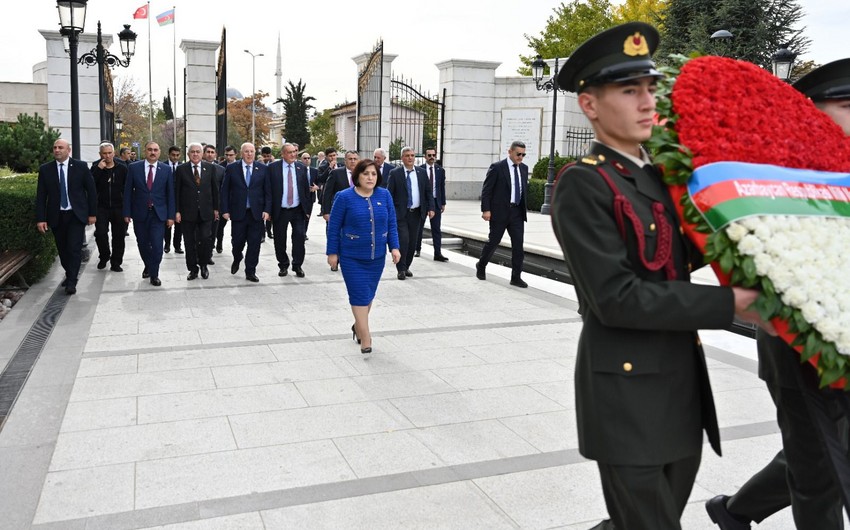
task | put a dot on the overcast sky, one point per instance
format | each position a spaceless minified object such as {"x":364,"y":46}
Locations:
{"x":319,"y":38}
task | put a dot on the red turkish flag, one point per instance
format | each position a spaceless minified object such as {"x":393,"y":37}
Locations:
{"x":142,"y":12}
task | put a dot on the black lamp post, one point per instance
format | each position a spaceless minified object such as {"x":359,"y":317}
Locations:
{"x":98,"y":56}
{"x":723,"y":37}
{"x":72,"y":19}
{"x":782,"y":61}
{"x":119,"y":124}
{"x":549,"y":85}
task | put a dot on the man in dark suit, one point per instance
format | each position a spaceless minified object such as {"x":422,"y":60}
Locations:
{"x":813,"y":421}
{"x":503,"y":205}
{"x":173,"y":162}
{"x":246,"y":198}
{"x":197,"y":199}
{"x":384,"y":167}
{"x":437,"y":181}
{"x":290,"y":206}
{"x":313,"y":187}
{"x":643,"y":397}
{"x":413,"y":201}
{"x":218,"y":177}
{"x":337,"y":180}
{"x":149,"y":202}
{"x":324,"y":164}
{"x":229,"y":158}
{"x":110,"y":178}
{"x":66,"y":201}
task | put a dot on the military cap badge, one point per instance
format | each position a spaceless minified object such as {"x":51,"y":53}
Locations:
{"x":635,"y":45}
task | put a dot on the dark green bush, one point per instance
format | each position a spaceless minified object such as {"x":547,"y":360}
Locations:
{"x":17,"y":226}
{"x":535,"y":194}
{"x":27,"y":144}
{"x":541,"y":168}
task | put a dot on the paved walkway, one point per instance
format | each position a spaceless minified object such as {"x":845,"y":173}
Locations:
{"x":225,"y":404}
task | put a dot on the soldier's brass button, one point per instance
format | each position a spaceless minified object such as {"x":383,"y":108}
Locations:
{"x":652,"y":227}
{"x":690,"y":267}
{"x":601,"y":158}
{"x":681,"y":230}
{"x":627,"y":367}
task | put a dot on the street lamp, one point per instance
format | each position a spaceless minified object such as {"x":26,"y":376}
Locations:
{"x":723,"y":37}
{"x":100,"y":57}
{"x":253,"y":96}
{"x":72,"y":19}
{"x":548,"y":86}
{"x":119,"y":125}
{"x":782,"y":61}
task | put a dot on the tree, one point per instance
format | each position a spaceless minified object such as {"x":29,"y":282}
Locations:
{"x":27,"y":144}
{"x":759,"y":27}
{"x":395,"y":148}
{"x":572,"y":24}
{"x":323,"y":132}
{"x":239,"y":118}
{"x":649,"y":11}
{"x":295,"y":107}
{"x":166,"y":105}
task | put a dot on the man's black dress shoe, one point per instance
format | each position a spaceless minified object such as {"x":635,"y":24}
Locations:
{"x":155,"y":282}
{"x":205,"y":272}
{"x":441,"y":258}
{"x":479,"y":272}
{"x":101,"y":264}
{"x":116,"y":268}
{"x":252,"y":278}
{"x":298,"y":272}
{"x":269,"y":235}
{"x":210,"y":262}
{"x":408,"y":274}
{"x":167,"y":249}
{"x":64,"y":282}
{"x":234,"y":268}
{"x":402,"y":276}
{"x":192,"y":276}
{"x":721,"y":516}
{"x":178,"y":250}
{"x":145,"y":273}
{"x":70,"y":289}
{"x":219,"y":250}
{"x":518,"y":282}
{"x":416,"y":254}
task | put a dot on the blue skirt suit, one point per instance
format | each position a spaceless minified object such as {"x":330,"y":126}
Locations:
{"x":360,"y":231}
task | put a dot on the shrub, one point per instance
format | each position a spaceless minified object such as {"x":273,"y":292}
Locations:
{"x":535,"y":194}
{"x":27,"y":144}
{"x":17,"y":226}
{"x":541,"y":168}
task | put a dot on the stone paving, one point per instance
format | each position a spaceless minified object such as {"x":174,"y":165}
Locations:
{"x":223,"y":404}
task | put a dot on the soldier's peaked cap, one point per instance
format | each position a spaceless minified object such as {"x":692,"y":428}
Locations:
{"x":618,"y":54}
{"x":830,"y":81}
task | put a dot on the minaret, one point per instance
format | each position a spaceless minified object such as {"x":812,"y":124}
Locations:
{"x":278,"y":73}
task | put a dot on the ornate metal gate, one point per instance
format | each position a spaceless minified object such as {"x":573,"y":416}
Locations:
{"x":369,"y":92}
{"x":416,"y":119}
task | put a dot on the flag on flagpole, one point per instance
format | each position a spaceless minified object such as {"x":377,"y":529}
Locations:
{"x":142,"y":12}
{"x":166,"y":18}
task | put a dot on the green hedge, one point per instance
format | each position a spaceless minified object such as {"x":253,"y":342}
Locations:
{"x":541,"y":168}
{"x":17,"y":226}
{"x":535,"y":194}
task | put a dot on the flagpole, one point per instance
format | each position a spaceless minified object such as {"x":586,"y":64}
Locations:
{"x":174,"y":64}
{"x":150,"y":80}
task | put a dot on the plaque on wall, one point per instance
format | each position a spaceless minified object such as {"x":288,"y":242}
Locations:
{"x":524,"y":125}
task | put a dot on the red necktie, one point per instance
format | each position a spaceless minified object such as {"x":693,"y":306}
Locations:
{"x":289,"y":191}
{"x":150,"y":185}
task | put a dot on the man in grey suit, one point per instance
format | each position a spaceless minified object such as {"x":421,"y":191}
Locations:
{"x":66,"y":201}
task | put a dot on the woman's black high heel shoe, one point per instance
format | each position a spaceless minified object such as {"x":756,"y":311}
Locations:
{"x":354,"y":334}
{"x":366,"y":350}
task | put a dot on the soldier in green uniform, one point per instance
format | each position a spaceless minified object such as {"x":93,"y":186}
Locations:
{"x":812,"y":471}
{"x":643,"y":397}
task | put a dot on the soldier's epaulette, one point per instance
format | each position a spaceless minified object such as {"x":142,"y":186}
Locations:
{"x":591,"y":160}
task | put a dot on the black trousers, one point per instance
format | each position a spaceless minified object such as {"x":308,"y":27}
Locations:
{"x":250,"y":231}
{"x":296,"y":218}
{"x":436,"y":234}
{"x":648,"y":497}
{"x":516,"y":229}
{"x":812,"y":472}
{"x":219,"y":231}
{"x":110,"y":218}
{"x":178,"y":234}
{"x":408,"y":231}
{"x":69,"y":234}
{"x":196,"y":236}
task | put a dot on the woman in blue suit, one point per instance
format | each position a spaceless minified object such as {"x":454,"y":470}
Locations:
{"x":361,"y":225}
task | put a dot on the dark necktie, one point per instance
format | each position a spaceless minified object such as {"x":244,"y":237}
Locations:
{"x":150,"y":185}
{"x":63,"y":192}
{"x":409,"y":191}
{"x":431,"y":176}
{"x":517,"y":190}
{"x":197,"y":177}
{"x":289,"y":188}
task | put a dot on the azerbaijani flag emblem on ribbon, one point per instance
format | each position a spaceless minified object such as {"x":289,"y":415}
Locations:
{"x":727,"y":191}
{"x":166,"y":18}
